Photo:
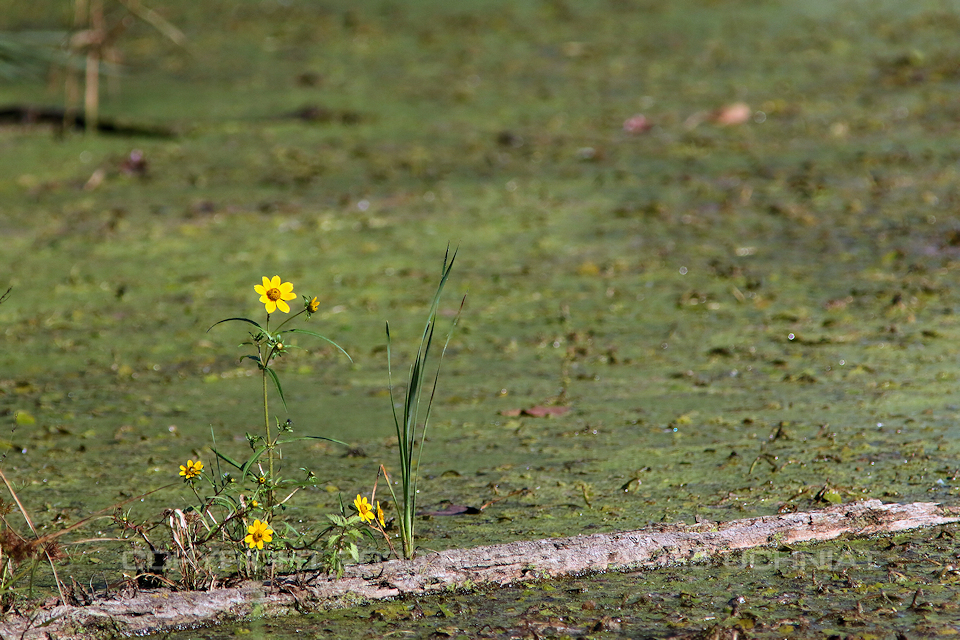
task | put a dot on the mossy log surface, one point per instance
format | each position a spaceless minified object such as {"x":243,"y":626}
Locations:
{"x":650,"y":547}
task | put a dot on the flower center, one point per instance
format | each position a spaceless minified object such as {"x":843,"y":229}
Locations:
{"x":273,"y":294}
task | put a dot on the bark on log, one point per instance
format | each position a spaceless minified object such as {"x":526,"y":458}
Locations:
{"x":655,"y":546}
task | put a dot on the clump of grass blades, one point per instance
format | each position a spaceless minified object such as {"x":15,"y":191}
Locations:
{"x":410,"y":431}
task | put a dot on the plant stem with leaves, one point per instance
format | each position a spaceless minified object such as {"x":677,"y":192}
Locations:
{"x":270,"y":345}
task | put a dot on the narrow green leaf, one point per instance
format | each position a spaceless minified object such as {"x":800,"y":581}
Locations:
{"x":254,"y":358}
{"x":276,"y":381}
{"x":245,"y":469}
{"x":238,"y":320}
{"x":313,"y":438}
{"x":227,"y":459}
{"x":317,"y":335}
{"x":224,"y":502}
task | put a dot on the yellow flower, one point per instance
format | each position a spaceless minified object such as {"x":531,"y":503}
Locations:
{"x":254,"y":504}
{"x":380,"y":516}
{"x":191,"y":470}
{"x":273,"y":294}
{"x":257,"y":534}
{"x":313,"y":305}
{"x":363,"y":508}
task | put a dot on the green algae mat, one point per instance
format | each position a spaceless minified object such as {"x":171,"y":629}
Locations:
{"x":744,"y":300}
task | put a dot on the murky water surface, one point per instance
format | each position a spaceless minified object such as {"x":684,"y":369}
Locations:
{"x":739,"y":315}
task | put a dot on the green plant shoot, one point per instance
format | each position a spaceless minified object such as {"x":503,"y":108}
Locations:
{"x":410,"y":431}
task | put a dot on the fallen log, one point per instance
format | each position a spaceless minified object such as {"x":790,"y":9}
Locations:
{"x":651,"y":547}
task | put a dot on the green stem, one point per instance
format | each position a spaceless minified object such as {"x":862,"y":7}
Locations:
{"x":266,"y":424}
{"x":265,"y":362}
{"x":289,"y":319}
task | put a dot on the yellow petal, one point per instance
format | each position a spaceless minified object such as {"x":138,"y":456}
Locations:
{"x":259,"y":289}
{"x":283,"y":306}
{"x":266,"y":282}
{"x":275,"y":283}
{"x":287,"y":296}
{"x":270,"y":305}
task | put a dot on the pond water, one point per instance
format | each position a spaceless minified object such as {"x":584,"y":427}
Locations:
{"x":743,"y":317}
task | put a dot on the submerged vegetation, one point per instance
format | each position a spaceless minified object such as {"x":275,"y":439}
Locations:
{"x":710,"y":248}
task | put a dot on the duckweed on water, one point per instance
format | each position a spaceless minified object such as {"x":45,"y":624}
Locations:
{"x":742,"y":319}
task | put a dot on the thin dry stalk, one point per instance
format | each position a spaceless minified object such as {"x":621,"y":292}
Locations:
{"x":26,"y":517}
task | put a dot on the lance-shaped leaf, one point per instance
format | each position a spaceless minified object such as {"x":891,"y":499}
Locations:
{"x":333,"y":440}
{"x":276,"y":382}
{"x":317,"y":335}
{"x":222,"y":456}
{"x":254,"y":358}
{"x":238,"y":320}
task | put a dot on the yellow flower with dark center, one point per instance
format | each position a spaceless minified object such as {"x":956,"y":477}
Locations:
{"x":191,"y":470}
{"x":273,"y":294}
{"x":257,"y":534}
{"x":380,"y":516}
{"x":363,"y":508}
{"x":313,"y":305}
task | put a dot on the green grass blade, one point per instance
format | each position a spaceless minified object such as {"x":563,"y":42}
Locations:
{"x":407,"y":436}
{"x":393,"y":401}
{"x":433,"y":391}
{"x":216,"y":458}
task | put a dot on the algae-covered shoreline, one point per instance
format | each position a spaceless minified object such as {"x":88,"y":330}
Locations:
{"x":743,"y":319}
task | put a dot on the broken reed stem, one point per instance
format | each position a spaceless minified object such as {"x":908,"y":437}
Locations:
{"x":36,"y":535}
